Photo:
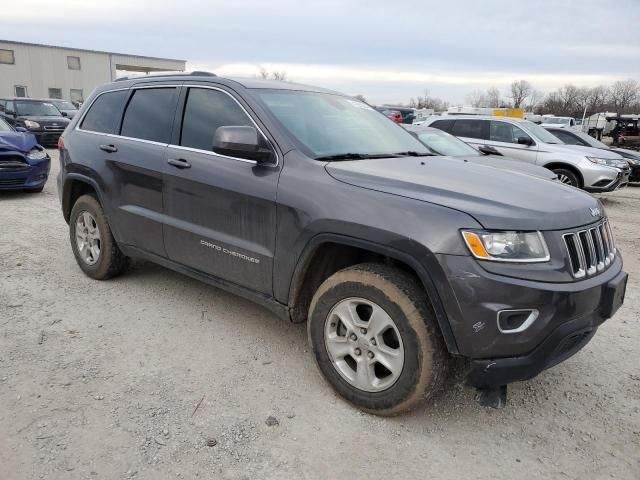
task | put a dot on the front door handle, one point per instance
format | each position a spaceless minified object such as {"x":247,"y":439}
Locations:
{"x":108,"y":148}
{"x":179,"y":163}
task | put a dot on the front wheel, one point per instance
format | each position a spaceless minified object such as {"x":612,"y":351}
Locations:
{"x":567,"y":177}
{"x":375,"y":338}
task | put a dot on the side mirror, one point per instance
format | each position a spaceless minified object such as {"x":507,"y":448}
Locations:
{"x":64,"y":114}
{"x":242,"y":142}
{"x":525,"y":141}
{"x":21,"y":130}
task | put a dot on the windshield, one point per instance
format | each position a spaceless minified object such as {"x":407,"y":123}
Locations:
{"x":43,"y":109}
{"x":442,"y":143}
{"x":557,"y":121}
{"x":63,"y":105}
{"x":539,"y":132}
{"x":4,"y":126}
{"x":332,"y":125}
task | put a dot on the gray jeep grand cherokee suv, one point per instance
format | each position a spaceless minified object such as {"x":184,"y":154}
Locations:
{"x":323,"y":210}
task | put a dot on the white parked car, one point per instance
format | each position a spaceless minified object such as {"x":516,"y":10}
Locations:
{"x":561,"y":122}
{"x":592,"y":169}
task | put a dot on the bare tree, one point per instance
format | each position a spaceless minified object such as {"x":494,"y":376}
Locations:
{"x":623,"y":94}
{"x":477,"y":98}
{"x":360,"y":97}
{"x":534,"y":100}
{"x":265,"y":74}
{"x":520,"y":90}
{"x":493,"y":97}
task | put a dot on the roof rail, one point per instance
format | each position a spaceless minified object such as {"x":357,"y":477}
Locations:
{"x":198,"y":73}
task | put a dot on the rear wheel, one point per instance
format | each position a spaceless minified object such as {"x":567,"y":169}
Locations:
{"x":567,"y":177}
{"x":375,"y":338}
{"x":93,"y":244}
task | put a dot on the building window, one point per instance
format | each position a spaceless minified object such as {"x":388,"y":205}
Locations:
{"x":73,"y":63}
{"x":55,"y":93}
{"x":77,"y":97}
{"x":20,"y":91}
{"x":7,"y":56}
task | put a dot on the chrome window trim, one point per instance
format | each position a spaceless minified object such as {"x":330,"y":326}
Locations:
{"x":180,"y":147}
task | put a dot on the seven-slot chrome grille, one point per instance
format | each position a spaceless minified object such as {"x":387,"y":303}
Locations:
{"x":590,"y":250}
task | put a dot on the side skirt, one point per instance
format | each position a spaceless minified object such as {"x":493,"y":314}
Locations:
{"x":279,"y":309}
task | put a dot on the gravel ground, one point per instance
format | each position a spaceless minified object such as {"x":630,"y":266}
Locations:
{"x":101,"y":380}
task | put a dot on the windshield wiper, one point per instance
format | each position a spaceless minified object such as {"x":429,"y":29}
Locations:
{"x":412,"y":153}
{"x":357,"y":156}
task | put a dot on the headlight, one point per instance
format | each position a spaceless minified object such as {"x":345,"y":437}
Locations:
{"x":35,"y":154}
{"x":609,"y":162}
{"x":507,"y":246}
{"x":30,"y":124}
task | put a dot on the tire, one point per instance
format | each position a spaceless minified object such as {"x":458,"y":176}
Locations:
{"x":403,"y":299}
{"x":567,"y":177}
{"x":110,"y":261}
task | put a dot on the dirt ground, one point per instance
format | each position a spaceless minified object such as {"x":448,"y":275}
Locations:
{"x":101,"y":380}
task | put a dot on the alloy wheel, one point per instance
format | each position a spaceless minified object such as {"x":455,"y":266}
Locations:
{"x":364,"y":344}
{"x":88,"y":238}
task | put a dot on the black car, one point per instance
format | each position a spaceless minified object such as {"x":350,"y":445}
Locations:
{"x":573,"y":137}
{"x":67,"y":109}
{"x":39,"y":117}
{"x":316,"y":206}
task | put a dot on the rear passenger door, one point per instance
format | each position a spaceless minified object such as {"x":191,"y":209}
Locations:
{"x":220,"y":210}
{"x":503,"y":136}
{"x":128,"y":132}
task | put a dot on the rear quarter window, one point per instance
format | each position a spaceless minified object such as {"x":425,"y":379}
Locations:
{"x":105,"y":113}
{"x":470,"y":129}
{"x":444,"y":125}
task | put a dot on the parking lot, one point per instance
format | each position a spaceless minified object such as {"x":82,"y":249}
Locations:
{"x":154,"y":375}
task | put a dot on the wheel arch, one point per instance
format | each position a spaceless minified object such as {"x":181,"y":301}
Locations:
{"x":75,"y":186}
{"x":325,"y":254}
{"x":566,"y":166}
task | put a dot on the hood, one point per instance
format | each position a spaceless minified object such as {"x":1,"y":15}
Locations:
{"x":45,"y":119}
{"x":17,"y":141}
{"x":497,"y":198}
{"x":626,"y":153}
{"x":594,"y":152}
{"x":506,"y":163}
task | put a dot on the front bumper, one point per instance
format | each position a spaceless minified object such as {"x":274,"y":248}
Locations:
{"x":620,"y":180}
{"x":47,"y":137}
{"x":31,"y":178}
{"x":568,"y":315}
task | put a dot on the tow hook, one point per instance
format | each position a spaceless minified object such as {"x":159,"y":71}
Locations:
{"x":492,"y":397}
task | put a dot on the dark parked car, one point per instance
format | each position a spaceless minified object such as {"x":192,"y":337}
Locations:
{"x":67,"y":108}
{"x":572,"y":137}
{"x":442,"y":143}
{"x":24,"y":165}
{"x":39,"y":117}
{"x":316,"y":206}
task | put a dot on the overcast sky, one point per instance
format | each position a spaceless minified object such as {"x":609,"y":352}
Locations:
{"x":388,"y":50}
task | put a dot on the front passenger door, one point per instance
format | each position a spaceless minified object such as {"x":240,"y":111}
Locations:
{"x":220,"y":210}
{"x":503,"y":136}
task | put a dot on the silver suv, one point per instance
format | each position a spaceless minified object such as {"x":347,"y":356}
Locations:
{"x":592,"y":169}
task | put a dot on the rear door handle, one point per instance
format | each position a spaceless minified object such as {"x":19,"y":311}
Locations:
{"x":179,"y":163}
{"x":108,"y":148}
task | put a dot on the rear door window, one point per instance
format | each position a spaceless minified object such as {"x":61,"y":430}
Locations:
{"x":470,"y":128}
{"x":506,"y":132}
{"x":105,"y":113}
{"x":566,"y":137}
{"x":204,"y":112}
{"x":149,"y":114}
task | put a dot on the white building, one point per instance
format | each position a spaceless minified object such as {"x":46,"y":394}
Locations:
{"x":45,"y":71}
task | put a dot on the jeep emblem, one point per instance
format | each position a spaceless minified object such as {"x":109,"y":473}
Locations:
{"x":595,"y":211}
